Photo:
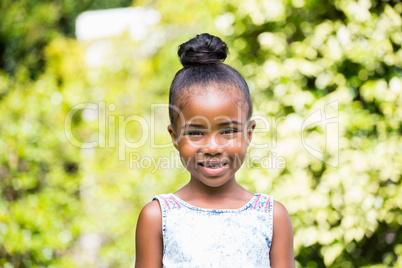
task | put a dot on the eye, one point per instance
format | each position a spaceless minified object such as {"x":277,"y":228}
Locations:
{"x":194,"y":133}
{"x":229,"y":131}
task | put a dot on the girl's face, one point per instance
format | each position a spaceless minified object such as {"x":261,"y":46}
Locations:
{"x":212,"y":135}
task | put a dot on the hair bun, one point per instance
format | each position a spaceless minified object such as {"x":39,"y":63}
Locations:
{"x":203,"y":49}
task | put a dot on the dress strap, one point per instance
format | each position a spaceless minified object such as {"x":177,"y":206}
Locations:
{"x":167,"y":202}
{"x":263,"y":203}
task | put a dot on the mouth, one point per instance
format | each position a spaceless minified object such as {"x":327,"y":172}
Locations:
{"x":212,"y":165}
{"x":213,"y":169}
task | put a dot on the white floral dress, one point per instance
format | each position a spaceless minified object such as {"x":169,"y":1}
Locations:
{"x":198,"y":237}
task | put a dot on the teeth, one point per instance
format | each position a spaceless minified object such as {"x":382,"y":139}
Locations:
{"x":215,"y":166}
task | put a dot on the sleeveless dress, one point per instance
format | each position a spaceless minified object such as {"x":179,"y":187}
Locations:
{"x":198,"y":237}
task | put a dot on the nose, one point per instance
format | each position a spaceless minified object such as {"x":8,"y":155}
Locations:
{"x":212,"y":150}
{"x":212,"y":147}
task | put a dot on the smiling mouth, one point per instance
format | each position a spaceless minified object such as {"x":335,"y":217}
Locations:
{"x":213,"y":165}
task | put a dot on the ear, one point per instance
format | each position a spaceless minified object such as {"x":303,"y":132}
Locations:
{"x":173,"y":135}
{"x":250,"y":129}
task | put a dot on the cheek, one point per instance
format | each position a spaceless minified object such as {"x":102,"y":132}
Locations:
{"x":239,"y":143}
{"x":187,"y":150}
{"x":237,"y":152}
{"x":187,"y":155}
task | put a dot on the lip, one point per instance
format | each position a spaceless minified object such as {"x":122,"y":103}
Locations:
{"x":209,"y":169}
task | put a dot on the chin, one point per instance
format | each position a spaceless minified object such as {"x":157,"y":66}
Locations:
{"x":214,"y":182}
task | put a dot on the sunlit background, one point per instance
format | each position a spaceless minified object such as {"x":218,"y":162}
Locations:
{"x":83,"y":116}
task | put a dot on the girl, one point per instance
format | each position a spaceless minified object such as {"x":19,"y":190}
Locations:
{"x":212,"y":221}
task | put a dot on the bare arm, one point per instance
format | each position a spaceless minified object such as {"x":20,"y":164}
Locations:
{"x":281,"y":255}
{"x":148,"y":240}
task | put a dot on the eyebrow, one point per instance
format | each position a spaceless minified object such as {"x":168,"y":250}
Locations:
{"x":192,"y":125}
{"x":220,"y":124}
{"x":230,"y":123}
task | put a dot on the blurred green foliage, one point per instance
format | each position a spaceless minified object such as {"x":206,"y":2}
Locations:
{"x":66,"y":206}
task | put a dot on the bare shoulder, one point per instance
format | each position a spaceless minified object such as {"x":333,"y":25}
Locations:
{"x":281,"y":254}
{"x":150,"y":219}
{"x":151,"y":211}
{"x":149,"y":241}
{"x":280,"y":213}
{"x":282,"y":224}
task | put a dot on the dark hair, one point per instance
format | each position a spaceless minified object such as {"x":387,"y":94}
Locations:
{"x":202,"y":58}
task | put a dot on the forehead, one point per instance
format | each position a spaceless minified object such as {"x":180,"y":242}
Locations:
{"x":212,"y":104}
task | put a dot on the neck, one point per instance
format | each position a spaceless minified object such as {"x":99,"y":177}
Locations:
{"x":196,"y":188}
{"x":228,"y":196}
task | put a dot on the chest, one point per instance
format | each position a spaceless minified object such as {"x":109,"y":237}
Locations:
{"x":217,"y":238}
